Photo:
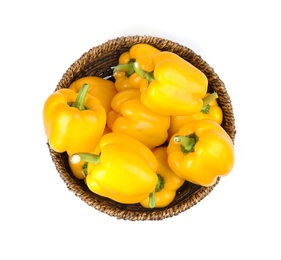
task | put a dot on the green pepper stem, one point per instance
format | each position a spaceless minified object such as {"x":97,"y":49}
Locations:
{"x":207,"y":100}
{"x":126,"y":67}
{"x":85,"y":169}
{"x":159,"y":186}
{"x":143,"y":73}
{"x":152,"y":202}
{"x":80,"y":99}
{"x":187,"y":143}
{"x":87,"y":157}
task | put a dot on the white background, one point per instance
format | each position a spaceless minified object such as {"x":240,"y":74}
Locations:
{"x":41,"y":219}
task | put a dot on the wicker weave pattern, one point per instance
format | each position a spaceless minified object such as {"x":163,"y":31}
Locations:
{"x":99,"y":61}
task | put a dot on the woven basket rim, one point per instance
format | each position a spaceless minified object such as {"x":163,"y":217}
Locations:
{"x":103,"y":51}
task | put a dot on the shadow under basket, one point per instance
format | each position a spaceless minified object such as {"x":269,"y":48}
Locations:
{"x":99,"y":61}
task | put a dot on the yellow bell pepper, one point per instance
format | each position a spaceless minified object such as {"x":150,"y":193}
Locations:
{"x":73,"y":122}
{"x":125,"y":170}
{"x":124,"y":74}
{"x":168,"y":182}
{"x":137,"y":120}
{"x":210,"y":110}
{"x":102,"y":89}
{"x":201,"y":152}
{"x":175,"y":87}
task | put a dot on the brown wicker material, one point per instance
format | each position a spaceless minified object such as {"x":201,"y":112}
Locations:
{"x":99,"y":61}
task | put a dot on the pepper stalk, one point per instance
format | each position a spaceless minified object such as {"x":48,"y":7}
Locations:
{"x":207,"y":100}
{"x":128,"y":68}
{"x":87,"y":157}
{"x":80,"y":99}
{"x":159,"y":187}
{"x":187,"y":143}
{"x":143,"y":73}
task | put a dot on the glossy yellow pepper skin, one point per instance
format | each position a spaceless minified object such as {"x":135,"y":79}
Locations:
{"x":100,"y":88}
{"x":138,"y":121}
{"x":70,"y":127}
{"x":124,"y":74}
{"x":201,"y":152}
{"x":175,"y":87}
{"x":125,"y":171}
{"x":112,"y":115}
{"x":168,"y":182}
{"x":211,"y":111}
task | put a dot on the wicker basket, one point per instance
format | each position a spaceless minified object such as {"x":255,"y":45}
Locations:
{"x":99,"y":61}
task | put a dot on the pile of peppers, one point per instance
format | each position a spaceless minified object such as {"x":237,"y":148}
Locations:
{"x":138,"y":136}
